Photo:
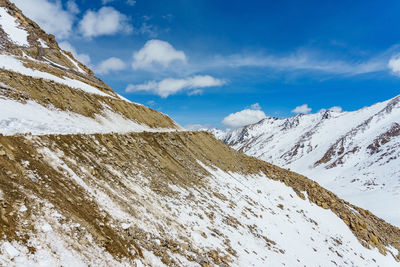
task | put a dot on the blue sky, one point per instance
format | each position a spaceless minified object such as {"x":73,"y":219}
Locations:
{"x":200,"y":61}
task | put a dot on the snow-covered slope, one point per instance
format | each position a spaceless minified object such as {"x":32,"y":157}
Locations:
{"x":354,"y":154}
{"x":177,"y":199}
{"x":88,"y":178}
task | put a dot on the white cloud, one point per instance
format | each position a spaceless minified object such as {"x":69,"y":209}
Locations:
{"x":394,"y":64}
{"x":336,"y":109}
{"x":245,"y":117}
{"x":110,"y":64}
{"x":50,"y":15}
{"x":303,"y":109}
{"x":105,"y":21}
{"x":156,"y":52}
{"x":73,"y":7}
{"x":83,"y":58}
{"x":255,"y":106}
{"x":171,"y":86}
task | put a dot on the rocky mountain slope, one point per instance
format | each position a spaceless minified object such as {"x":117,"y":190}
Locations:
{"x":354,"y":154}
{"x":90,"y":179}
{"x":46,"y":90}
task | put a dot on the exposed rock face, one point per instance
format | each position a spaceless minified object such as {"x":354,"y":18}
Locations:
{"x":354,"y":154}
{"x":131,"y":188}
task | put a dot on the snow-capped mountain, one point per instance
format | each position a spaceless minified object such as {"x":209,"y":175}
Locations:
{"x":88,"y":178}
{"x":354,"y":154}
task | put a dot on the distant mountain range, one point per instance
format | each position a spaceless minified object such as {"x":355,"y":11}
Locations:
{"x":354,"y":154}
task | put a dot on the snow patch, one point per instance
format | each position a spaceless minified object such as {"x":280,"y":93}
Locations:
{"x":23,"y":208}
{"x":10,"y":26}
{"x":42,"y":43}
{"x":10,"y":250}
{"x":18,"y":118}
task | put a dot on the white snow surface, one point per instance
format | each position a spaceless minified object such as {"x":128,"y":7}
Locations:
{"x":365,"y":178}
{"x":74,"y":62}
{"x":14,"y":64}
{"x":10,"y":26}
{"x":18,"y":118}
{"x":53,"y":248}
{"x":43,"y":43}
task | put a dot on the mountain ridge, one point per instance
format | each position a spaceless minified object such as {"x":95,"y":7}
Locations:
{"x":88,"y":178}
{"x":338,"y":149}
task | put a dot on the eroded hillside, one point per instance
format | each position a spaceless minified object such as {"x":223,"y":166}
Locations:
{"x":44,"y":89}
{"x":179,"y":198}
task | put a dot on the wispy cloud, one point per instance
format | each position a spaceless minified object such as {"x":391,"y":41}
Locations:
{"x":302,"y":60}
{"x":128,"y":2}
